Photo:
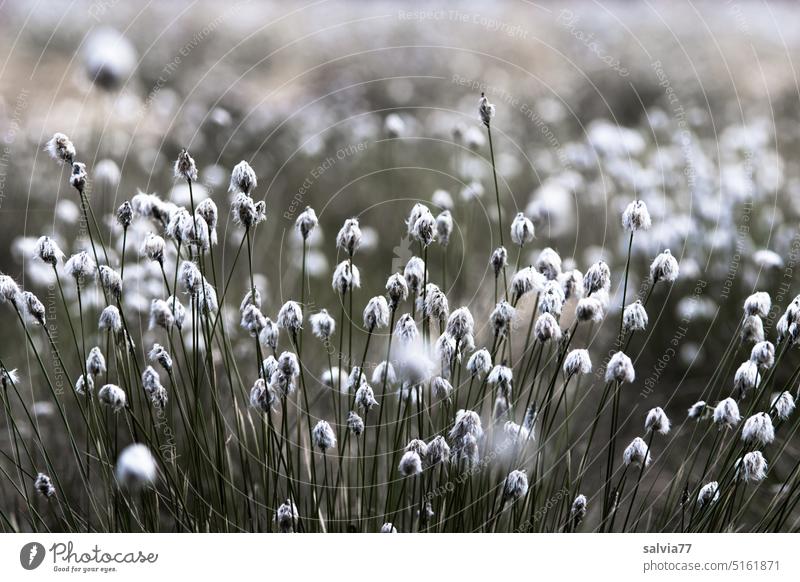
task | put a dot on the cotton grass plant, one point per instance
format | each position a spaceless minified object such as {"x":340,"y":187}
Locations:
{"x":409,"y":412}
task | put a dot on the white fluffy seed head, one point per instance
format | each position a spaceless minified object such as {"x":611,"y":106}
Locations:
{"x":636,"y":453}
{"x":60,"y":148}
{"x":758,"y":303}
{"x":753,"y":329}
{"x":95,"y":362}
{"x":634,"y":317}
{"x":384,"y":371}
{"x":467,"y":422}
{"x":485,"y":110}
{"x":758,"y":429}
{"x":43,"y":485}
{"x":349,"y":237}
{"x":697,"y":409}
{"x":153,"y":248}
{"x":480,"y":362}
{"x":396,"y":290}
{"x":498,"y":260}
{"x":110,"y":319}
{"x":578,"y":509}
{"x":48,"y":251}
{"x":525,"y":281}
{"x":664,"y":268}
{"x":269,"y":334}
{"x":185,"y":167}
{"x":636,"y":217}
{"x":751,"y":468}
{"x":709,"y":493}
{"x":746,"y":378}
{"x":620,"y":369}
{"x":365,"y":397}
{"x":589,"y":309}
{"x":346,"y":277}
{"x":521,"y":230}
{"x":444,"y":227}
{"x":290,"y":317}
{"x":112,"y":396}
{"x":306,"y":222}
{"x":726,"y":413}
{"x":551,"y":299}
{"x":571,"y":283}
{"x":81,"y":267}
{"x":376,"y":313}
{"x":355,"y":424}
{"x":657,"y":421}
{"x":547,"y":329}
{"x":136,"y":467}
{"x":286,"y":516}
{"x":323,"y":436}
{"x":247,"y":212}
{"x":438,"y":451}
{"x":410,"y":464}
{"x":243,"y":178}
{"x":516,"y":485}
{"x":501,"y":318}
{"x":784,"y":405}
{"x":414,"y":274}
{"x":597,"y":277}
{"x":763,"y":354}
{"x":406,"y":329}
{"x":577,"y":362}
{"x":322,"y":325}
{"x":548,"y":263}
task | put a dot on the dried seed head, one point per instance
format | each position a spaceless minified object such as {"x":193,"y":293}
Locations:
{"x":657,"y":421}
{"x":44,"y":486}
{"x":384,"y":372}
{"x":709,"y":493}
{"x":34,"y":308}
{"x":636,"y":453}
{"x":207,"y":299}
{"x":161,"y":355}
{"x":441,"y":388}
{"x":111,"y":281}
{"x":571,"y":283}
{"x":78,"y":176}
{"x":323,"y":436}
{"x":551,"y":299}
{"x":376,"y":313}
{"x":526,"y":280}
{"x":517,"y":434}
{"x":485,"y":110}
{"x":501,"y":318}
{"x":726,"y":413}
{"x":136,"y":467}
{"x":577,"y":362}
{"x":578,"y":509}
{"x":636,"y":217}
{"x":388,"y":528}
{"x":466,"y":450}
{"x":758,"y":429}
{"x":246,"y":212}
{"x":751,"y":468}
{"x":349,"y":237}
{"x":406,"y":329}
{"x":178,"y":311}
{"x":460,"y":324}
{"x":784,"y":405}
{"x":758,"y":304}
{"x":396,"y":290}
{"x":498,"y":260}
{"x":84,"y":385}
{"x":415,"y":274}
{"x":697,"y":409}
{"x":190,"y":277}
{"x":95,"y":362}
{"x":81,"y":267}
{"x":113,"y":397}
{"x":110,"y":319}
{"x":547,"y":328}
{"x":516,"y":485}
{"x":418,"y":446}
{"x":521,"y":230}
{"x":346,"y":277}
{"x":753,"y":329}
{"x":548,"y":263}
{"x":185,"y":167}
{"x":153,"y":248}
{"x":424,"y":228}
{"x":9,"y":290}
{"x":322,"y":325}
{"x":306,"y":222}
{"x":597,"y":278}
{"x":433,"y":303}
{"x":60,"y":148}
{"x":438,"y":451}
{"x":262,"y":398}
{"x":207,"y":211}
{"x":161,"y":314}
{"x":286,"y":516}
{"x":444,"y":227}
{"x":746,"y":378}
{"x":48,"y":251}
{"x":253,"y":320}
{"x":620,"y":369}
{"x":410,"y":464}
{"x":664,"y":268}
{"x":243,"y":179}
{"x":763,"y":354}
{"x":467,"y":422}
{"x":634,"y":317}
{"x":480,"y":362}
{"x":290,"y":317}
{"x":269,"y":334}
{"x":8,"y":377}
{"x":354,"y":423}
{"x":365,"y":397}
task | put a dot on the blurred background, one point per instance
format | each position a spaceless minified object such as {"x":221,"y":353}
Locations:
{"x":362,"y":109}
